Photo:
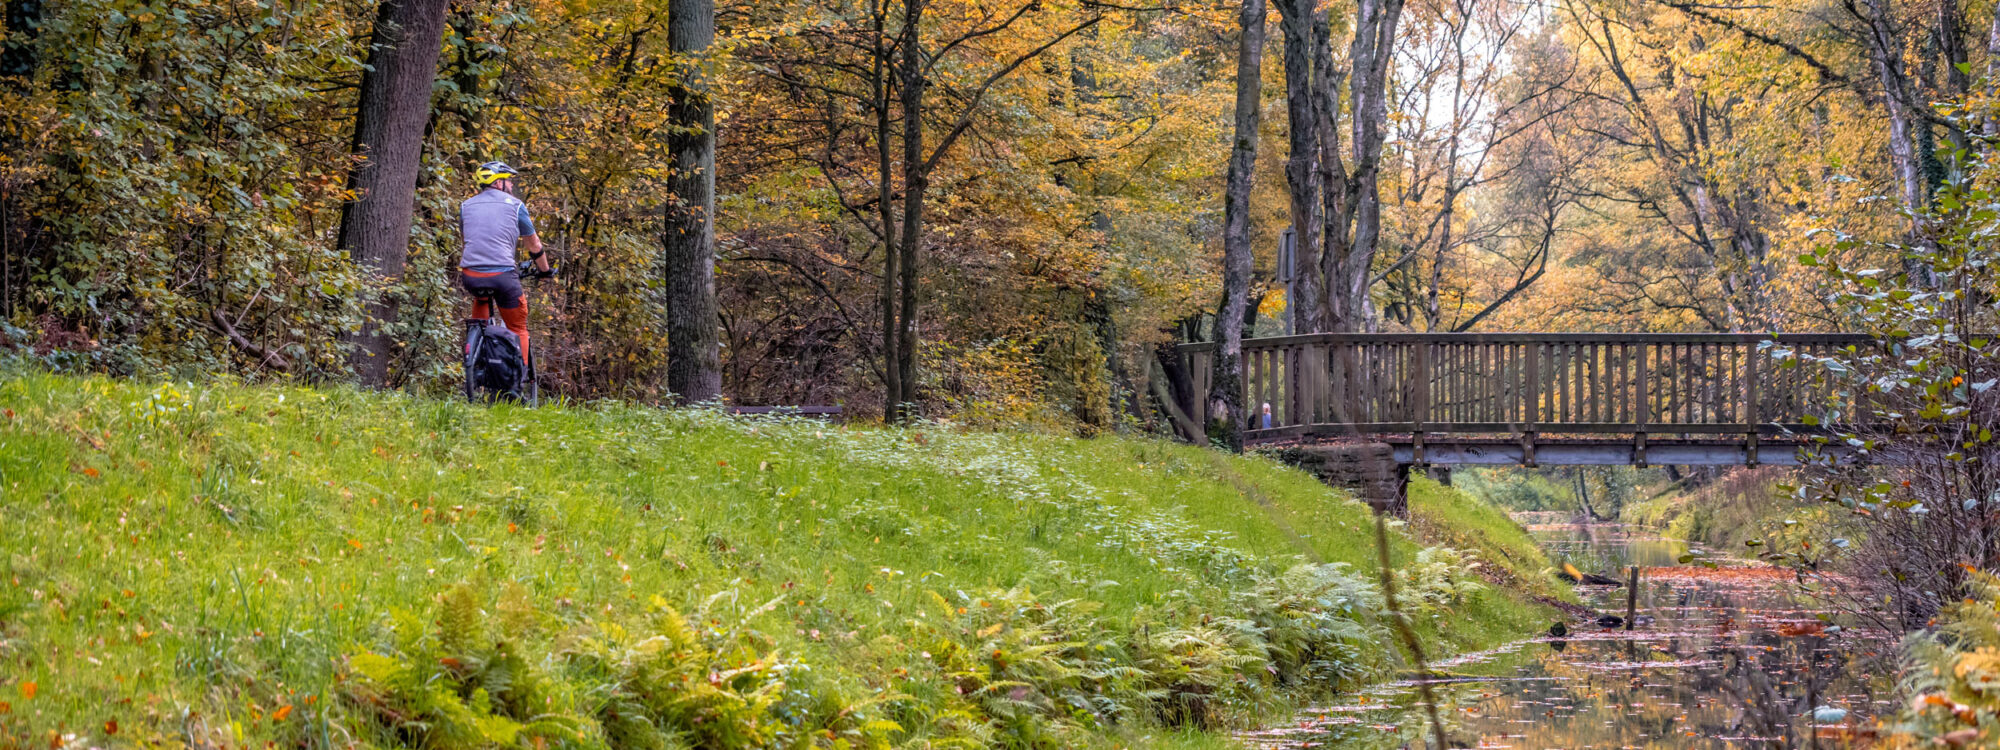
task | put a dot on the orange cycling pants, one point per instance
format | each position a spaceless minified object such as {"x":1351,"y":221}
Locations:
{"x":504,"y":287}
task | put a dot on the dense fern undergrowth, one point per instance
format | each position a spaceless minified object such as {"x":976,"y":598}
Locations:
{"x":230,"y":565}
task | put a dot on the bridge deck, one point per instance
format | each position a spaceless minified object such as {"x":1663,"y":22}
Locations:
{"x":1613,"y":398}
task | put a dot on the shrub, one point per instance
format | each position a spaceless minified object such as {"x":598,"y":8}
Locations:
{"x":1953,"y":674}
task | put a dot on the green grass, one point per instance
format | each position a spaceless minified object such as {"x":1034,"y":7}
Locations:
{"x":203,"y":563}
{"x":1452,"y":517}
{"x":1742,"y":505}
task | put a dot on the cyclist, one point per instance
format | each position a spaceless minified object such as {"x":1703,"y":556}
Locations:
{"x":493,"y":223}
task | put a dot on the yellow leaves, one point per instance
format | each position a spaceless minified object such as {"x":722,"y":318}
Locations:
{"x":1273,"y":304}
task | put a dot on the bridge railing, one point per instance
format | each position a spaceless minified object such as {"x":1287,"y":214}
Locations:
{"x":1524,"y":383}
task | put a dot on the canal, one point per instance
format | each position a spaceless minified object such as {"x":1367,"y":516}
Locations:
{"x":1732,"y":655}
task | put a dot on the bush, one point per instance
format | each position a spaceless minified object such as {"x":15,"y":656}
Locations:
{"x":1953,"y":674}
{"x":1923,"y":402}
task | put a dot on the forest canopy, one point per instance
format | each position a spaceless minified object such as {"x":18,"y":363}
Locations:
{"x":998,"y":211}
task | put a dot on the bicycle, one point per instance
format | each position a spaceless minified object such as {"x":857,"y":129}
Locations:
{"x":475,"y":341}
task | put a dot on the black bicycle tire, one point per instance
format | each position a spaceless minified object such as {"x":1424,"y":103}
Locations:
{"x":472,"y":335}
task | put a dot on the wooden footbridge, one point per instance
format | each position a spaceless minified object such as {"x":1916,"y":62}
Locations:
{"x":1536,"y":398}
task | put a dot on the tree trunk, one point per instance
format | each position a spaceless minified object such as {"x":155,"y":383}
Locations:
{"x":393,"y":110}
{"x":1334,"y":188}
{"x":892,"y":259}
{"x":1885,"y":51}
{"x":1302,"y":173}
{"x":1225,"y":396}
{"x":916,"y":181}
{"x":1371,"y":56}
{"x":694,"y":363}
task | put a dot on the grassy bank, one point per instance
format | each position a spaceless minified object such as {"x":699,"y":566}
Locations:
{"x":234,"y":565}
{"x":1508,"y":556}
{"x":1721,"y":515}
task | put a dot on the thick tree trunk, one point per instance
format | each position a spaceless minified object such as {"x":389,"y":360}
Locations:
{"x":1336,"y":209}
{"x":394,"y":108}
{"x":916,"y":182}
{"x":1225,"y":396}
{"x":1372,"y":55}
{"x":1302,"y":165}
{"x":694,"y":363}
{"x":1351,"y":203}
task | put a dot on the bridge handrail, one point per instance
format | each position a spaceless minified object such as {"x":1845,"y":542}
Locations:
{"x":1537,"y":338}
{"x":1525,"y":385}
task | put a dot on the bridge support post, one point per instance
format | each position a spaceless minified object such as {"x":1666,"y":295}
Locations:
{"x":1441,"y":474}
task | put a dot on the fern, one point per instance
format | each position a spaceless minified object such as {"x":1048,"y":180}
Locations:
{"x":1439,"y":579}
{"x":1953,"y":674}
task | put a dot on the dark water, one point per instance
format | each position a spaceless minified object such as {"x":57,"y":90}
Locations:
{"x":1734,"y":657}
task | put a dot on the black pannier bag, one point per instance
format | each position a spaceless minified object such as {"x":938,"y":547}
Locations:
{"x":497,"y":366}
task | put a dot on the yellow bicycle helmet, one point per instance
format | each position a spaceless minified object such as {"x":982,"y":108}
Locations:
{"x":494,"y":171}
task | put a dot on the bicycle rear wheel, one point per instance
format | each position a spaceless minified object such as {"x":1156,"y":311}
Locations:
{"x":472,"y":341}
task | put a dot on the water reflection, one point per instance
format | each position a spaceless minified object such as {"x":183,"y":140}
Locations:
{"x":1732,"y":658}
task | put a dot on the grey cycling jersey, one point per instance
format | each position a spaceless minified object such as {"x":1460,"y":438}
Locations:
{"x":492,"y":222}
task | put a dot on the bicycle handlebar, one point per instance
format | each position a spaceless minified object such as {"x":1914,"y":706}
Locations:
{"x":527,"y":271}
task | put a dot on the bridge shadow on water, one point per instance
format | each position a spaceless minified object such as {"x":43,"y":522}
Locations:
{"x":1732,"y":657}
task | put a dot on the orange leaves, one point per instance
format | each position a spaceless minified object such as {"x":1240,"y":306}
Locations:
{"x":28,"y":690}
{"x":1796,"y":629}
{"x":1960,"y":711}
{"x":282,"y":712}
{"x":1742,"y":574}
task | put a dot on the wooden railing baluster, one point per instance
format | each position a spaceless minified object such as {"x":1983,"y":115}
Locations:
{"x":1697,"y":386}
